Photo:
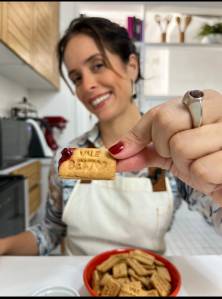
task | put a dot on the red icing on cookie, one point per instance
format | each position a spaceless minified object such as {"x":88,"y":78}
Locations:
{"x":66,"y":154}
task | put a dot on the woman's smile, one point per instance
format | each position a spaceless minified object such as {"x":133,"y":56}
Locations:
{"x":100,"y":101}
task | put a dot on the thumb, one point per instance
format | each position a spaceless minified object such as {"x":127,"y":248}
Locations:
{"x":136,"y":139}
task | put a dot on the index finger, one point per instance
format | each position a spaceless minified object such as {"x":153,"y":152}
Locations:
{"x":136,"y":139}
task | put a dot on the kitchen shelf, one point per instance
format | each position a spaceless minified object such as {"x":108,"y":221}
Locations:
{"x":179,"y":45}
{"x":159,"y":97}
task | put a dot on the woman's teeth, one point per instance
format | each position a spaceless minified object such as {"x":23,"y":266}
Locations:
{"x":100,"y":100}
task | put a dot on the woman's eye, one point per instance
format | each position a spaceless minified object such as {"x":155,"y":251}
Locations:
{"x":98,"y":66}
{"x":76,"y":80}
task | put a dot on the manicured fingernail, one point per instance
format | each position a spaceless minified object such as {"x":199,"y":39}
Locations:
{"x":116,"y":148}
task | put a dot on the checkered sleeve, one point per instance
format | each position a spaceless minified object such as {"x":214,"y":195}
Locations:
{"x":202,"y":203}
{"x":51,"y":230}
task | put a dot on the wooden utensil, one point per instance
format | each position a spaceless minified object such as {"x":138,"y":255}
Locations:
{"x":186,"y":20}
{"x":163,"y":25}
{"x":167,"y":20}
{"x":159,"y":22}
{"x":181,"y":33}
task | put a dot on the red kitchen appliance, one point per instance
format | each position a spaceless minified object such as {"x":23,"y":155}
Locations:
{"x":51,"y":122}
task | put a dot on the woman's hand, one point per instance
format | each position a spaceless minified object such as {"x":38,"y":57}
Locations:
{"x":3,"y":246}
{"x":164,"y":138}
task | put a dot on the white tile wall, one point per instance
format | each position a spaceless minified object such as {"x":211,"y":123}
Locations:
{"x":10,"y":94}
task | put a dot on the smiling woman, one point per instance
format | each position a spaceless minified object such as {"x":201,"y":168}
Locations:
{"x":103,"y":64}
{"x":102,"y":78}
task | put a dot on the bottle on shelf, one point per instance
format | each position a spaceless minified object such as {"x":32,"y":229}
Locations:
{"x":135,"y":28}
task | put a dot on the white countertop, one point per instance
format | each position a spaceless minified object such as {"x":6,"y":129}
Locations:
{"x":43,"y":161}
{"x":22,"y":276}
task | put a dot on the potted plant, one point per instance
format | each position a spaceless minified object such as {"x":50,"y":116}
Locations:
{"x":211,"y":33}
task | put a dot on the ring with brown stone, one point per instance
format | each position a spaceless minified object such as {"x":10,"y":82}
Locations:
{"x":193,"y":102}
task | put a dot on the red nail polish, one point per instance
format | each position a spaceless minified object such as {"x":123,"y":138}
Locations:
{"x":116,"y":148}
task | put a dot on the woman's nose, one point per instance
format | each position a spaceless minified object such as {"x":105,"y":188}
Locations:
{"x":89,"y":82}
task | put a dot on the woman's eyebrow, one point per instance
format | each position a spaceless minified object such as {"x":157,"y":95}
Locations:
{"x":90,"y":58}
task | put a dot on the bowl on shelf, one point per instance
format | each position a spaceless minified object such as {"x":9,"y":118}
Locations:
{"x":215,"y":38}
{"x":174,"y":282}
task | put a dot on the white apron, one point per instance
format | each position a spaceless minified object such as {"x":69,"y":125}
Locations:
{"x":105,"y":215}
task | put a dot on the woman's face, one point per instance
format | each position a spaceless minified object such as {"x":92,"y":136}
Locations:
{"x":104,"y":92}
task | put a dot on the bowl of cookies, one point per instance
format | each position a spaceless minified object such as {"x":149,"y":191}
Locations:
{"x":131,"y":272}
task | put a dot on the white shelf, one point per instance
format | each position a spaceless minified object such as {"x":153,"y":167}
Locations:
{"x":160,"y":97}
{"x":179,"y":45}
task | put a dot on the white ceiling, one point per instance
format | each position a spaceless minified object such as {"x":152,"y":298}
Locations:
{"x":198,"y":8}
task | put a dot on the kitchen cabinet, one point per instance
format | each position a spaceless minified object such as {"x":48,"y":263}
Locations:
{"x":16,"y":30}
{"x":32,"y":172}
{"x":31,"y":30}
{"x":1,"y":19}
{"x":45,"y":37}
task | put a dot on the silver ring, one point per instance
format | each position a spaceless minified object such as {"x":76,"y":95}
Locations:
{"x":193,"y":101}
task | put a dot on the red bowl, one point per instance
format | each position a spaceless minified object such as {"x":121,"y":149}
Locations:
{"x":98,"y":259}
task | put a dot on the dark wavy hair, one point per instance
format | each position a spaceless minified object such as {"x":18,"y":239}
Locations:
{"x":106,"y":34}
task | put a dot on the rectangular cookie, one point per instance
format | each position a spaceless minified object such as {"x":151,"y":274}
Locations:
{"x":120,"y":270}
{"x":137,"y":267}
{"x":142,"y":257}
{"x":96,"y":281}
{"x":105,"y":278}
{"x":108,"y":264}
{"x":144,"y":280}
{"x":87,"y":164}
{"x":132,"y":289}
{"x":163,"y":272}
{"x":160,"y":284}
{"x":111,"y":288}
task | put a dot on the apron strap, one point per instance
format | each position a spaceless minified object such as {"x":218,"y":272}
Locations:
{"x":157,"y":177}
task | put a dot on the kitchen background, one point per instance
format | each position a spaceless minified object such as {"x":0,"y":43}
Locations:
{"x":173,"y":59}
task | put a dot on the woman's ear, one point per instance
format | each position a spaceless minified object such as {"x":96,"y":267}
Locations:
{"x":133,"y":67}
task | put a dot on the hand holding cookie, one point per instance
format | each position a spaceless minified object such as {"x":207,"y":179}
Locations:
{"x":87,"y":164}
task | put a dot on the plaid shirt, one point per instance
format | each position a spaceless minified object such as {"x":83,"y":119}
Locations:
{"x":52,"y":229}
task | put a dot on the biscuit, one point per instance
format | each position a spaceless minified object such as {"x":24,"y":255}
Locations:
{"x":144,"y":280}
{"x":108,"y":264}
{"x":137,"y":267}
{"x":132,"y":289}
{"x":160,"y":284}
{"x":144,"y":260}
{"x":158,"y":263}
{"x":152,"y":293}
{"x":120,"y":270}
{"x":87,"y":164}
{"x":142,"y":257}
{"x":111,"y":288}
{"x":96,"y":281}
{"x":163,"y":272}
{"x":105,"y":278}
{"x":123,"y":280}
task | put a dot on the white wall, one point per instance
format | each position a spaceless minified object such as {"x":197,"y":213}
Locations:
{"x":10,"y":94}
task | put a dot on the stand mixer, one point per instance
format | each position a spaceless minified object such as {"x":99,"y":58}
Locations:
{"x":43,"y":142}
{"x":51,"y":122}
